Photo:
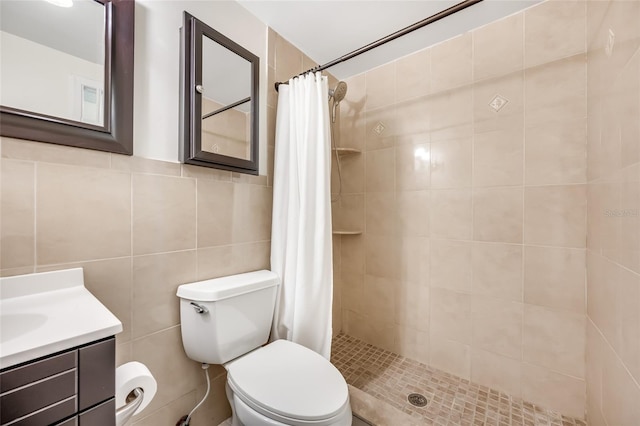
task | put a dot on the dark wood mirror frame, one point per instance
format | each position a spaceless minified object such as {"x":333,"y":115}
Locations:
{"x":193,"y":30}
{"x":117,"y":133}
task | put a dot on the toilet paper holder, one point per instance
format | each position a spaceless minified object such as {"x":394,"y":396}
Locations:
{"x":133,"y":401}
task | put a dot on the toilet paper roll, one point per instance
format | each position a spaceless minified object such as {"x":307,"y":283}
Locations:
{"x":134,"y":375}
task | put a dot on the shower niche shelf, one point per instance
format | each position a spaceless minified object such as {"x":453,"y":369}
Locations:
{"x":346,"y":151}
{"x":342,"y":232}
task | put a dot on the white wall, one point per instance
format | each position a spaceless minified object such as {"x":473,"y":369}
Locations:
{"x":21,"y":76}
{"x":157,"y":68}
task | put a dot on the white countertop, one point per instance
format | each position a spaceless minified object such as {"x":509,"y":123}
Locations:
{"x":44,"y":313}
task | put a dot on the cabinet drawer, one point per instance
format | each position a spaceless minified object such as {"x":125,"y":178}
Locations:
{"x":97,"y":373}
{"x":102,"y":415}
{"x":33,"y":397}
{"x":35,"y":371}
{"x":70,"y":422}
{"x":51,"y":414}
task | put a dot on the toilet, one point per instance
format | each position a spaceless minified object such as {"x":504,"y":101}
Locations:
{"x":227,"y":321}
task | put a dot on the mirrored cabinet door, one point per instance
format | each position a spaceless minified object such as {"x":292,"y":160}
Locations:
{"x":219,"y":102}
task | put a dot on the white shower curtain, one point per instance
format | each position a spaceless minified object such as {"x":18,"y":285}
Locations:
{"x":301,"y":252}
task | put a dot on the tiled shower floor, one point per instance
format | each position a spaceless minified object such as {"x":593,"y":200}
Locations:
{"x":451,"y":400}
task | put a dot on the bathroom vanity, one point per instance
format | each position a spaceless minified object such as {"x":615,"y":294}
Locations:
{"x":57,"y":352}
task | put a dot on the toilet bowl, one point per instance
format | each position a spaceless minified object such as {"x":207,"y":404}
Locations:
{"x":226,"y":321}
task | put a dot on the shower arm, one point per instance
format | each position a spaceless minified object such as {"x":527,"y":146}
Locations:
{"x":431,"y":19}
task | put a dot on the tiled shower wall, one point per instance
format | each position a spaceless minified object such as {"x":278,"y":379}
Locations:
{"x":471,"y":195}
{"x":613,"y":249}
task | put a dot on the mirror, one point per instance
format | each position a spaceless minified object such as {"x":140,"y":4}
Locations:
{"x":66,"y":74}
{"x":219,"y":100}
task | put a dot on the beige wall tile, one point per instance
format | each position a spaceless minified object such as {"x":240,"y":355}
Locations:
{"x":450,"y":214}
{"x":497,"y":214}
{"x":216,"y":409}
{"x":128,"y":163}
{"x":451,"y":63}
{"x":412,"y":306}
{"x":450,"y":315}
{"x":381,"y":128}
{"x":450,"y":356}
{"x":380,"y":170}
{"x":498,"y":158}
{"x":556,"y":91}
{"x":252,"y":208}
{"x":412,"y":214}
{"x":451,"y":114}
{"x":414,"y":75}
{"x":414,"y":259}
{"x":19,"y":149}
{"x":381,"y":256}
{"x":509,"y":88}
{"x":554,"y":339}
{"x":349,"y":212}
{"x":17,"y":205}
{"x":496,"y":372}
{"x":497,"y":326}
{"x":220,"y":261}
{"x":83,"y":214}
{"x":555,"y":153}
{"x":413,"y":117}
{"x":155,"y":281}
{"x":352,"y":254}
{"x":593,"y":374}
{"x":498,"y":47}
{"x":555,"y":277}
{"x":352,"y":117}
{"x":353,"y":292}
{"x":554,"y":30}
{"x":110,"y":282}
{"x":497,"y":270}
{"x":451,"y":163}
{"x":205,"y":173}
{"x":555,"y":215}
{"x":413,"y":167}
{"x":216,"y":212}
{"x":352,"y":169}
{"x":164,"y":355}
{"x":451,"y":264}
{"x":620,"y":394}
{"x":554,"y":390}
{"x":413,"y":343}
{"x":381,"y":86}
{"x":380,"y":213}
{"x":164,"y":214}
{"x":379,"y":298}
{"x":288,"y":60}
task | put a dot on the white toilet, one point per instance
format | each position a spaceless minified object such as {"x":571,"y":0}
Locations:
{"x":226,"y":321}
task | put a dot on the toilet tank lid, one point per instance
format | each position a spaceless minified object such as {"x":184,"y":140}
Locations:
{"x":229,"y":286}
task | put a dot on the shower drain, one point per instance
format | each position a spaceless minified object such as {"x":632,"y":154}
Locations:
{"x":417,"y":399}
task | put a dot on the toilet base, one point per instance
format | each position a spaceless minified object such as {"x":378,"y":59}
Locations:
{"x":243,"y":415}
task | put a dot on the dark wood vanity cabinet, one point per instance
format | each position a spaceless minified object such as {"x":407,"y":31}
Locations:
{"x":71,"y":388}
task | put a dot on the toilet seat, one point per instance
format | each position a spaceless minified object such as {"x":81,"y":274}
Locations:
{"x":288,"y":382}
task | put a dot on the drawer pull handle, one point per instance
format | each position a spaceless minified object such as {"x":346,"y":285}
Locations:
{"x":133,"y":401}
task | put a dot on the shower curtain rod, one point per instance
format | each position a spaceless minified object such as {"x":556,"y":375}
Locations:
{"x":431,"y":19}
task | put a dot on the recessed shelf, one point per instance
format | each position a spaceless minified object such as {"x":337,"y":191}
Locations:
{"x":337,"y":232}
{"x":346,"y":151}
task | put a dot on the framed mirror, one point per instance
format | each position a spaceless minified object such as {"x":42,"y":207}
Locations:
{"x":219,"y":100}
{"x":66,"y":72}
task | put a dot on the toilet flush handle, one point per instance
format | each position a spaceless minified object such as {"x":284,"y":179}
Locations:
{"x":199,"y":308}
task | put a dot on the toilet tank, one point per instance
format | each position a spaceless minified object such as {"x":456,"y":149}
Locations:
{"x":224,"y":318}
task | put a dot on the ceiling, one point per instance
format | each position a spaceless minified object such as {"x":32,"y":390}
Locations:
{"x":328,"y":29}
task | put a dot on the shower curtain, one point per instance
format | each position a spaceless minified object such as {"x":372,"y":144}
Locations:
{"x":301,"y":252}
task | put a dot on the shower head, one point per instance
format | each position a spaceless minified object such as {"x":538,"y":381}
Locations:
{"x":339,"y":92}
